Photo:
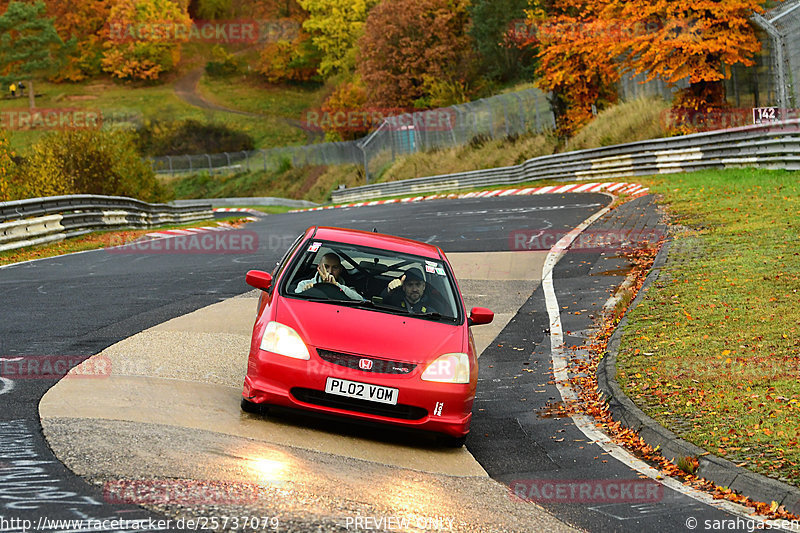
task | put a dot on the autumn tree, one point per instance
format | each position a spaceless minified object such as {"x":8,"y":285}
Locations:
{"x":694,"y":39}
{"x":285,"y":60}
{"x":143,"y":38}
{"x":494,"y":28}
{"x":413,"y":49}
{"x":210,"y":9}
{"x":28,"y":44}
{"x":576,"y":58}
{"x":347,"y":100}
{"x":80,"y":22}
{"x":335,"y":27}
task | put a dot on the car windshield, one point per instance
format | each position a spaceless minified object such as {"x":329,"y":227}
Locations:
{"x":375,"y":279}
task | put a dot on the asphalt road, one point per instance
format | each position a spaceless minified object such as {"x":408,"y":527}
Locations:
{"x":78,"y":305}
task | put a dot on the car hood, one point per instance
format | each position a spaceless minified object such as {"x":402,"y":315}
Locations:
{"x":368,"y":332}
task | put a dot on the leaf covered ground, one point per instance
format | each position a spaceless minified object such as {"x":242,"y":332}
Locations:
{"x":713,"y":351}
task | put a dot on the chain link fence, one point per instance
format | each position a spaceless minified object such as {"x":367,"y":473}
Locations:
{"x":771,"y":82}
{"x":783,"y":25}
{"x":504,"y":115}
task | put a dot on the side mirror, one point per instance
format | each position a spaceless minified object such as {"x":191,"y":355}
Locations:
{"x":480,"y":315}
{"x":259,"y":280}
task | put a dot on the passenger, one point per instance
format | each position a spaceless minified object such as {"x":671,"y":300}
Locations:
{"x":329,"y":270}
{"x":412,"y":297}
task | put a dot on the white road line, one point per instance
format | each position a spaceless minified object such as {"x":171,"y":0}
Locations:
{"x":584,"y":422}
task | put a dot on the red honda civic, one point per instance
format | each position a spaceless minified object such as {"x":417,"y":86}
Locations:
{"x":368,"y":326}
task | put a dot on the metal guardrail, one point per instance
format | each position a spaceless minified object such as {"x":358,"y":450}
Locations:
{"x":775,"y":145}
{"x":42,"y":220}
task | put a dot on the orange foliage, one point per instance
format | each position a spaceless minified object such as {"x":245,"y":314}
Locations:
{"x":583,"y":45}
{"x":574,"y":60}
{"x":689,"y":39}
{"x":347,"y":97}
{"x":413,"y":49}
{"x":143,"y":38}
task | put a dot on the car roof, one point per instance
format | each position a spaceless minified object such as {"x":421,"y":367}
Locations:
{"x":375,"y":240}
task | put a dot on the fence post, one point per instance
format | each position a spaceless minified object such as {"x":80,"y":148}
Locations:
{"x":169,"y":160}
{"x":264,"y":153}
{"x":246,"y":159}
{"x":228,"y":157}
{"x":210,"y":168}
{"x":505,"y":115}
{"x":777,"y":39}
{"x":524,"y":127}
{"x":366,"y":162}
{"x":190,"y":163}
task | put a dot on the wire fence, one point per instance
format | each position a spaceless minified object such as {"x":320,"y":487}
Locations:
{"x":785,"y":19}
{"x":774,"y":79}
{"x":506,"y":115}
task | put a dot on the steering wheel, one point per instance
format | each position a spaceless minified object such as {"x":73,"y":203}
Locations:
{"x":326,"y":290}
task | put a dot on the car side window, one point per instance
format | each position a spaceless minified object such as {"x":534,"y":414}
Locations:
{"x":280,"y":266}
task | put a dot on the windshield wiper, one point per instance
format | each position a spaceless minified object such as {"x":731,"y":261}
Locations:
{"x":434,"y":316}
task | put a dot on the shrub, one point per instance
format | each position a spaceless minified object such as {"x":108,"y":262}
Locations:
{"x":89,"y":162}
{"x":158,"y":137}
{"x":224,"y":64}
{"x":7,"y":169}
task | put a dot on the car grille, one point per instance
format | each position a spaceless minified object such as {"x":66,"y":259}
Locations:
{"x":404,"y":412}
{"x":379,"y":366}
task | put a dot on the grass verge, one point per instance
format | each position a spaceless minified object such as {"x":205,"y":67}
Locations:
{"x":713,"y":352}
{"x":96,"y":240}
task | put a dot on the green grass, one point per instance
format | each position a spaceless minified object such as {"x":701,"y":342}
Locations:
{"x":637,"y":120}
{"x":246,"y":94}
{"x":306,"y":183}
{"x":713,"y":352}
{"x":160,"y":102}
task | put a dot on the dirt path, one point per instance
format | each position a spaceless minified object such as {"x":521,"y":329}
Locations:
{"x":186,"y":89}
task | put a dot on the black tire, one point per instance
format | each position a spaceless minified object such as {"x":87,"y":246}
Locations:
{"x":252,"y":407}
{"x":453,"y":442}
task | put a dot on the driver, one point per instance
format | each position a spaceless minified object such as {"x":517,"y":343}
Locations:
{"x":412,"y":297}
{"x":329,"y":270}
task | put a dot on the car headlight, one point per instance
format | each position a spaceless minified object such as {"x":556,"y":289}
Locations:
{"x":283,"y":340}
{"x":448,"y":368}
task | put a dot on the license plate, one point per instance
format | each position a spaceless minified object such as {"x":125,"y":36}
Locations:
{"x":362,"y":391}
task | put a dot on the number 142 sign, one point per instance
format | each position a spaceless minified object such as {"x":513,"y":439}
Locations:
{"x":763,"y":115}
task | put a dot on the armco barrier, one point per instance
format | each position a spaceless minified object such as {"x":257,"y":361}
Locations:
{"x":42,"y":220}
{"x":775,"y":145}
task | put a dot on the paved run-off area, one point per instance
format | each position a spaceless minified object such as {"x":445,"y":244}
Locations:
{"x":169,"y":410}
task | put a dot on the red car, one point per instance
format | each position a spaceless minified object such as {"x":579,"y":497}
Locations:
{"x":365,"y":326}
